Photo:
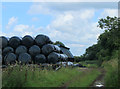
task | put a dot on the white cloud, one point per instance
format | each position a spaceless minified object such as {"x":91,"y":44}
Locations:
{"x":20,"y":28}
{"x":73,"y":30}
{"x":27,"y":33}
{"x":109,"y":12}
{"x":37,"y":9}
{"x":62,"y":19}
{"x":87,"y":14}
{"x":75,"y":45}
{"x":23,"y":30}
{"x":11,"y":22}
{"x":71,"y":25}
{"x":35,"y":19}
{"x":2,"y":34}
{"x":50,"y":8}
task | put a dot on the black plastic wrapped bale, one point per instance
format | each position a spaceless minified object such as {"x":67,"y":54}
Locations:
{"x":10,"y":58}
{"x":14,"y":41}
{"x":0,"y":51}
{"x":56,"y":48}
{"x":27,"y":41}
{"x":21,"y":49}
{"x":0,"y":59}
{"x":7,"y":50}
{"x":40,"y":58}
{"x":63,"y":57}
{"x":24,"y":58}
{"x":34,"y":50}
{"x":53,"y":57}
{"x":48,"y":48}
{"x":42,"y":40}
{"x":3,"y":42}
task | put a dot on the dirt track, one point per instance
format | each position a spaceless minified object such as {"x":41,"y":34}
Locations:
{"x":66,"y":85}
{"x":98,"y":80}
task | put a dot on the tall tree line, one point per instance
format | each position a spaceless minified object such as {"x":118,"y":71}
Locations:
{"x":108,"y":42}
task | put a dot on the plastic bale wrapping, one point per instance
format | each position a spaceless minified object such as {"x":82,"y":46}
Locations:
{"x":48,"y":48}
{"x":40,"y":58}
{"x":3,"y":42}
{"x":56,"y":48}
{"x":0,"y":51}
{"x":20,"y":49}
{"x":27,"y":41}
{"x":7,"y":50}
{"x":42,"y":40}
{"x":53,"y":57}
{"x":64,"y":57}
{"x":0,"y":59}
{"x":0,"y":55}
{"x":34,"y":50}
{"x":10,"y":58}
{"x":14,"y":42}
{"x":24,"y":58}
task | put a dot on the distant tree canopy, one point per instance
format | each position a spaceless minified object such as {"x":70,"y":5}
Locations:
{"x":58,"y":42}
{"x":108,"y":42}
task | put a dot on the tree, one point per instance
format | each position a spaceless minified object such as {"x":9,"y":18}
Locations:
{"x":110,"y":38}
{"x":108,"y":42}
{"x":58,"y":42}
{"x":91,"y":52}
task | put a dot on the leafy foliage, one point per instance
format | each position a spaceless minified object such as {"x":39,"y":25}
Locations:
{"x":108,"y":41}
{"x":58,"y":42}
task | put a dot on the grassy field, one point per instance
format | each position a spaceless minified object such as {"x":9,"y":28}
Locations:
{"x":28,"y":77}
{"x":25,"y":76}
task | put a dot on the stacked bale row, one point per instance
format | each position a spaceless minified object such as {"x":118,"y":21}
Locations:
{"x":29,"y":50}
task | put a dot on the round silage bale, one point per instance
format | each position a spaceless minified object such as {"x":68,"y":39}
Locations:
{"x":63,"y":57}
{"x":0,"y":59}
{"x":56,"y":48}
{"x":24,"y":58}
{"x":34,"y":50}
{"x":14,"y":41}
{"x":7,"y":50}
{"x":48,"y":48}
{"x":40,"y":58}
{"x":10,"y":58}
{"x":27,"y":41}
{"x":20,"y":49}
{"x":42,"y":40}
{"x":53,"y":57}
{"x":3,"y":42}
{"x":0,"y":51}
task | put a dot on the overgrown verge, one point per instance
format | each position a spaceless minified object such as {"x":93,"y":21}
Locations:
{"x":111,"y":77}
{"x":36,"y":77}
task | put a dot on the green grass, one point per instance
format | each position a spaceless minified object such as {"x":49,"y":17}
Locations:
{"x":48,"y":78}
{"x":85,"y":79}
{"x":37,"y":78}
{"x":29,"y":77}
{"x":111,"y":77}
{"x":51,"y":78}
{"x":13,"y":78}
{"x":90,"y":64}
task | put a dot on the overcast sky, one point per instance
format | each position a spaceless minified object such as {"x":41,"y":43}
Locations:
{"x":73,"y":23}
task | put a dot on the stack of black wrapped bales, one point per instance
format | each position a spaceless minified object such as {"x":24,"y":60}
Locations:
{"x":29,"y":50}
